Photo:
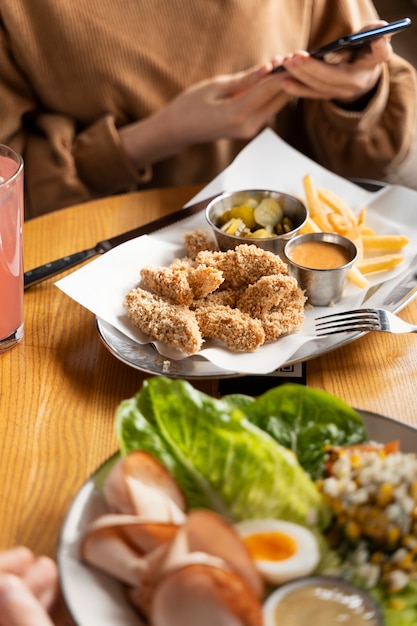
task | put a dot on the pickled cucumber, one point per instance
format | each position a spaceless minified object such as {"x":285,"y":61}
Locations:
{"x":268,"y":213}
{"x":255,"y":219}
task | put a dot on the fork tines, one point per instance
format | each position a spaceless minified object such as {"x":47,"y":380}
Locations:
{"x":355,"y":320}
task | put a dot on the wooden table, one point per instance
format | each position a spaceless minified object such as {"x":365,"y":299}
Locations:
{"x":60,"y":387}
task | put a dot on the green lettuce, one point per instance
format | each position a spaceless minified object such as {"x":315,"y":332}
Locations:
{"x":399,"y":609}
{"x":221,"y":460}
{"x":306,"y":420}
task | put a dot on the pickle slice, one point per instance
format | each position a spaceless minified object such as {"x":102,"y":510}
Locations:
{"x":245,"y":213}
{"x":268,"y":213}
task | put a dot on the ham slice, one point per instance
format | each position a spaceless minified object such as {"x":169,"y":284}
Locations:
{"x":180,"y":569}
{"x":117,"y":544}
{"x":138,"y":484}
{"x":204,"y":594}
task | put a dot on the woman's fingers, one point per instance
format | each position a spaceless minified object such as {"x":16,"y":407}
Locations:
{"x":16,"y":560}
{"x":310,"y":78}
{"x":42,"y":579}
{"x":18,"y":607}
{"x":344,"y":80}
{"x":39,"y":574}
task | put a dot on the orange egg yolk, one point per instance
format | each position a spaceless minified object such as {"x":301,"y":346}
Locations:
{"x":270,"y":546}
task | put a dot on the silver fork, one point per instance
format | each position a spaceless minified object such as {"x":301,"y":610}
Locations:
{"x":362,"y":320}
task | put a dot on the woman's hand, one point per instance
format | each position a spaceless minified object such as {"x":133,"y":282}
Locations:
{"x":235,"y":106}
{"x":28,"y":588}
{"x":345,"y":82}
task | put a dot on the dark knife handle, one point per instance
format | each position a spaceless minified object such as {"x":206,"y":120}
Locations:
{"x":38,"y":274}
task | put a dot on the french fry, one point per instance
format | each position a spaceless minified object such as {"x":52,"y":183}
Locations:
{"x":310,"y":226}
{"x":336,"y":204}
{"x":341,"y":224}
{"x":330,"y":213}
{"x":323,"y":223}
{"x":379,"y":263}
{"x":314,"y":204}
{"x":366,"y":230}
{"x":357,"y":278}
{"x":362,"y":217}
{"x":388,"y":243}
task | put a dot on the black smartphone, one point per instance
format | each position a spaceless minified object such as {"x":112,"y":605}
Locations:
{"x":354,"y":41}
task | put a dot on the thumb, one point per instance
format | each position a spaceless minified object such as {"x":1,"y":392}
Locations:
{"x":18,"y":607}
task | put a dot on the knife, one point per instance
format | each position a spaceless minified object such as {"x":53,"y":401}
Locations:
{"x":41,"y":273}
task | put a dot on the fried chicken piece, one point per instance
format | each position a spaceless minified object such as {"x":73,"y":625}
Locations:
{"x":244,"y":265}
{"x":181,"y":286}
{"x":204,"y":280}
{"x":285,"y":318}
{"x":236,"y":329}
{"x":225,"y":297}
{"x":168,"y":283}
{"x":184,"y":264}
{"x":173,"y":324}
{"x":267,"y":292}
{"x":197,"y":241}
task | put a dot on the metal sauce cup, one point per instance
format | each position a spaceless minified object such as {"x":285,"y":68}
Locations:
{"x":323,"y":287}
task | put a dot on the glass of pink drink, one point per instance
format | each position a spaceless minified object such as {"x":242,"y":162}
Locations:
{"x":11,"y":248}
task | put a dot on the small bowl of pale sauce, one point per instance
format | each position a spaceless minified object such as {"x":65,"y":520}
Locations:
{"x":320,"y":601}
{"x":320,"y":263}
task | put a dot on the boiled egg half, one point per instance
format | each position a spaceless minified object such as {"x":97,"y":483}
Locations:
{"x":281,"y":550}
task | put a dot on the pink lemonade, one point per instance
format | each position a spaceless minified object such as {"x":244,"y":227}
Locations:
{"x":11,"y":255}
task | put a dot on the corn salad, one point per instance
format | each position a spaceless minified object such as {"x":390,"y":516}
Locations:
{"x":372,"y":491}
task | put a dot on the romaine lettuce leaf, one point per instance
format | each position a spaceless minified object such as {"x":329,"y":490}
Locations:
{"x":305,"y":420}
{"x":220,"y":459}
{"x":400,"y":609}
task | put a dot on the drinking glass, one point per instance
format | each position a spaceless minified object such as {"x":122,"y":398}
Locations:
{"x":11,"y":248}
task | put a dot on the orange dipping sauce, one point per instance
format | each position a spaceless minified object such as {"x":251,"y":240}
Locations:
{"x":320,"y":255}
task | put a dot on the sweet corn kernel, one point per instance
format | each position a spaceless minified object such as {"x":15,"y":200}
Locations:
{"x":396,"y":604}
{"x":377,"y":558}
{"x":393,"y":535}
{"x":355,"y":460}
{"x":384,"y":495}
{"x":413,"y":490}
{"x":353,"y":531}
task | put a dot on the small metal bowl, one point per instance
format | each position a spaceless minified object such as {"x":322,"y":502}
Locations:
{"x":292,"y":207}
{"x":322,"y":286}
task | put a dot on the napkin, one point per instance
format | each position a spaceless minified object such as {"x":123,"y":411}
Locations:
{"x":267,"y":162}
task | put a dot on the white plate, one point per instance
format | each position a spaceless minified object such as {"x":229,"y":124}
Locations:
{"x":102,"y":284}
{"x":95,"y":599}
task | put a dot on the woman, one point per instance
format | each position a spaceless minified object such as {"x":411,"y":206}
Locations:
{"x":103,"y":97}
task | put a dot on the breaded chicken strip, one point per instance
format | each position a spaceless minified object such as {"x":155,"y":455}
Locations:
{"x":204,"y":280}
{"x":168,"y":283}
{"x":181,"y":286}
{"x":198,"y":240}
{"x":173,"y":324}
{"x":267,"y":292}
{"x":244,"y":265}
{"x":236,"y":329}
{"x":285,"y":318}
{"x":225,"y":297}
{"x":184,"y":263}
